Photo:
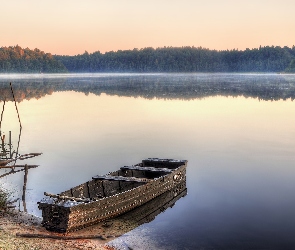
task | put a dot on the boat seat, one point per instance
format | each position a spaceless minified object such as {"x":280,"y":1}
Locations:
{"x":151,"y":169}
{"x":119,"y":178}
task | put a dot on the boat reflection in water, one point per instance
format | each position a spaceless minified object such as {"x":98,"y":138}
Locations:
{"x":146,"y":213}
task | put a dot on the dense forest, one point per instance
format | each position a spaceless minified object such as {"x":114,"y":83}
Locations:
{"x":15,"y":59}
{"x":291,"y":67}
{"x":184,"y":59}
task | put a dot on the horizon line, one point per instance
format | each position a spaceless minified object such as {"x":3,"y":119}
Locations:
{"x":154,"y":48}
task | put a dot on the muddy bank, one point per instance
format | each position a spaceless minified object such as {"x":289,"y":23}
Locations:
{"x":14,"y":223}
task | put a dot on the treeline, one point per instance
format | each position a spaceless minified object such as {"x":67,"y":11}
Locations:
{"x":184,"y":59}
{"x":15,"y":59}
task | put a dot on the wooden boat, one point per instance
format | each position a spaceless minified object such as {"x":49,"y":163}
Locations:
{"x":110,"y":195}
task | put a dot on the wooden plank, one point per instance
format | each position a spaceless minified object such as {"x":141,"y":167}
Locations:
{"x":20,"y":166}
{"x":61,"y":197}
{"x":152,"y":169}
{"x":118,"y":178}
{"x":164,"y":163}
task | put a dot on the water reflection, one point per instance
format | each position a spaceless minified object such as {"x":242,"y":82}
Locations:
{"x":163,"y":86}
{"x":7,"y":170}
{"x":240,"y":147}
{"x":144,"y":214}
{"x":20,"y":168}
{"x":9,"y":156}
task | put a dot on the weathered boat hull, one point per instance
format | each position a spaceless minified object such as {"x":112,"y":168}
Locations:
{"x":109,"y":198}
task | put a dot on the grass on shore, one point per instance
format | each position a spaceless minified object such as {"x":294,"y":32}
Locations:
{"x":3,"y":199}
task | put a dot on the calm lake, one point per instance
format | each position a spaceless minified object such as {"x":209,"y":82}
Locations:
{"x":237,"y":132}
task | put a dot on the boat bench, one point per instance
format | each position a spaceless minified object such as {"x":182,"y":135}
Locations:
{"x":119,"y":178}
{"x":151,"y":169}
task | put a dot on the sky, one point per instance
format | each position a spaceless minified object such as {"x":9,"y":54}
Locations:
{"x":70,"y":27}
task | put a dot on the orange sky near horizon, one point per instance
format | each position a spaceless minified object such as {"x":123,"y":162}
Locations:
{"x":70,"y":27}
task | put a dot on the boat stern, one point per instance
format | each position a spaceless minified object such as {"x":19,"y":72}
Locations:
{"x":55,"y":215}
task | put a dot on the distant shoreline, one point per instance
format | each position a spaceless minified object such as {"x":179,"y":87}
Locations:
{"x":15,"y":59}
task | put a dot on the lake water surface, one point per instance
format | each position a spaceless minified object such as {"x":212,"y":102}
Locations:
{"x":237,"y":132}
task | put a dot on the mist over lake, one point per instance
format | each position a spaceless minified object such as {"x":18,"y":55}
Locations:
{"x":236,"y":131}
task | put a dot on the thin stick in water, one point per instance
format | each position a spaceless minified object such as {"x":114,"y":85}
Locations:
{"x":15,"y":105}
{"x":2,"y":114}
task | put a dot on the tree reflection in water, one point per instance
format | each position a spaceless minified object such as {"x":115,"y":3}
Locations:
{"x":160,"y":86}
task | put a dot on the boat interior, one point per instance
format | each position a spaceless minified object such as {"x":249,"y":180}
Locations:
{"x":128,"y":177}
